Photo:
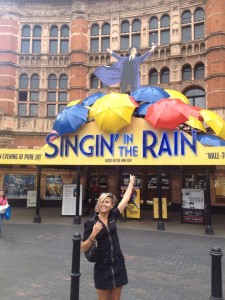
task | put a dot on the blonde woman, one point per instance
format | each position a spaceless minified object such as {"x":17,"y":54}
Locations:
{"x":110,"y":273}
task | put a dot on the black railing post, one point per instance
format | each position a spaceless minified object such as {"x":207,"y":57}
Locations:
{"x":160,"y":223}
{"x":216,"y":274}
{"x":37,"y":218}
{"x":208,"y":223}
{"x":75,"y":273}
{"x":77,"y":217}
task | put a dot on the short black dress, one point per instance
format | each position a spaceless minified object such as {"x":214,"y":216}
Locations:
{"x":110,"y":270}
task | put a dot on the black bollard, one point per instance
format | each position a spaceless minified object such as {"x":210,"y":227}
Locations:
{"x":75,"y":273}
{"x":216,"y":274}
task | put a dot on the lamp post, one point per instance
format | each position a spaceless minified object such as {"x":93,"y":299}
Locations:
{"x":208,"y":227}
{"x":77,"y":217}
{"x":37,"y":218}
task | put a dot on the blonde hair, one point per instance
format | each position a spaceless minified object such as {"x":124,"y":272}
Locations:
{"x":107,"y":195}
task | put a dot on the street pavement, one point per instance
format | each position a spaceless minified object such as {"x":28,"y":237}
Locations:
{"x":36,"y":261}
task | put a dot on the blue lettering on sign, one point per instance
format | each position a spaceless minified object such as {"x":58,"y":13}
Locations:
{"x":98,"y":145}
{"x":178,"y":146}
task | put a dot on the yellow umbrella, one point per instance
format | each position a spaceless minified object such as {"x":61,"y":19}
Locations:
{"x":214,"y":121}
{"x":195,"y":123}
{"x":112,"y":112}
{"x":74,"y":102}
{"x":179,"y":95}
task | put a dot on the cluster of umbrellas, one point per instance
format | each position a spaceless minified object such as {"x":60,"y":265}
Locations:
{"x":162,"y":108}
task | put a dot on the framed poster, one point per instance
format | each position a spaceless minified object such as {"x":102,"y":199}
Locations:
{"x":133,"y":210}
{"x":16,"y":186}
{"x":69,"y":200}
{"x":31,"y":198}
{"x":53,"y":187}
{"x":193,"y":206}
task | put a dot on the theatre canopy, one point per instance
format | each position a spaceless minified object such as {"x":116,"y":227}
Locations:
{"x":136,"y":144}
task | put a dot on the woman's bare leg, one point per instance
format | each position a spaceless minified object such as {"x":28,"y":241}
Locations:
{"x":102,"y":294}
{"x":115,"y":293}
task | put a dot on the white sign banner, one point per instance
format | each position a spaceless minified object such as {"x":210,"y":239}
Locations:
{"x":31,"y":198}
{"x":69,"y":200}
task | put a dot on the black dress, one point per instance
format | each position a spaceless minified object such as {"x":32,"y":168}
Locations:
{"x":110,"y":270}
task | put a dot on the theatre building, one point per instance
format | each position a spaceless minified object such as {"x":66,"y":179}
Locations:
{"x":48,"y":53}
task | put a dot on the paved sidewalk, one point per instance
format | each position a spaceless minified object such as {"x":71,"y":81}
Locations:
{"x":35,"y":261}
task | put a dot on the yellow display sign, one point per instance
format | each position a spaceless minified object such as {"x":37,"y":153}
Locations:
{"x":133,"y":210}
{"x":156,"y":208}
{"x":136,"y":144}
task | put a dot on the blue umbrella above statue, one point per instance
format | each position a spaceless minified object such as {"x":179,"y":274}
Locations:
{"x":71,"y":119}
{"x":150,"y":94}
{"x":91,"y":99}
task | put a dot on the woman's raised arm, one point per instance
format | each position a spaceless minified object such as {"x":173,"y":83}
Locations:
{"x":123,"y":203}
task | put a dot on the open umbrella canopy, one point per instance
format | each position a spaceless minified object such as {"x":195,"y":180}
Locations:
{"x":70,"y":119}
{"x":214,"y":121}
{"x":210,"y":140}
{"x":167,"y":113}
{"x":176,"y":94}
{"x":74,"y":102}
{"x":113,"y":111}
{"x":143,"y":108}
{"x":91,"y":99}
{"x":150,"y":94}
{"x":195,"y":123}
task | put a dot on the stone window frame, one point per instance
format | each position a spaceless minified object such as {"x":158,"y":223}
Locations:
{"x":100,"y":38}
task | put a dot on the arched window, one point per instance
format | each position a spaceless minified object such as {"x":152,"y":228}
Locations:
{"x":36,"y":42}
{"x":196,"y":97}
{"x":105,"y":40}
{"x":25,"y":41}
{"x":94,"y":82}
{"x":165,"y":76}
{"x":153,"y":33}
{"x":125,"y":27}
{"x":54,"y":31}
{"x":106,"y":29}
{"x":23,"y":81}
{"x":165,"y":21}
{"x":153,"y":77}
{"x":153,"y":23}
{"x":62,"y":97}
{"x":64,"y":31}
{"x":124,"y":37}
{"x":26,"y":31}
{"x":34,"y":95}
{"x":51,"y":97}
{"x":199,"y":71}
{"x":199,"y":24}
{"x":165,"y":33}
{"x":186,"y":72}
{"x":186,"y":26}
{"x":136,"y":25}
{"x":94,"y":41}
{"x":64,"y":39}
{"x":53,"y":43}
{"x":136,"y":37}
{"x":28,"y":95}
{"x":94,"y":30}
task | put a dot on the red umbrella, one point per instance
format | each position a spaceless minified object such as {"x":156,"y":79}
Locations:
{"x":195,"y":112}
{"x":168,"y":113}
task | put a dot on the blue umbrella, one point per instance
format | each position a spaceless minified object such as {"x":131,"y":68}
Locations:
{"x":210,"y":140}
{"x":70,"y":119}
{"x":88,"y":101}
{"x":142,"y":109}
{"x":150,"y":94}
